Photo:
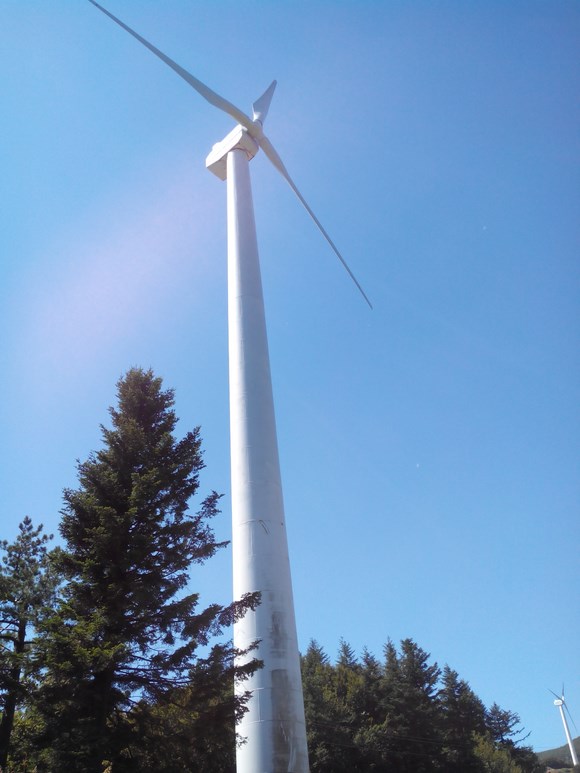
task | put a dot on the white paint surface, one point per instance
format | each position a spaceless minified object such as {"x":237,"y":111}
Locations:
{"x":274,"y":725}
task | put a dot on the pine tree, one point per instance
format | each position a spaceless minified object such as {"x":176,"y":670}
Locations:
{"x":126,"y":636}
{"x":462,"y":718}
{"x":193,"y":728}
{"x":331,"y":721}
{"x":369,"y":700}
{"x":403,"y":716}
{"x":27,"y":585}
{"x":317,"y":681}
{"x":506,"y":734}
{"x":411,"y":740}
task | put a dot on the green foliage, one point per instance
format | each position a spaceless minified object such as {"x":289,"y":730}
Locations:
{"x":403,"y":715}
{"x":411,"y":725}
{"x":121,"y":650}
{"x":504,"y":730}
{"x":25,"y":754}
{"x":492,"y":758}
{"x":330,"y":719}
{"x":462,"y":716}
{"x":194,"y":728}
{"x":27,"y":585}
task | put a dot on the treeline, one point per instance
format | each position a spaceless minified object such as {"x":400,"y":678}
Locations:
{"x":403,"y":714}
{"x":109,"y":665}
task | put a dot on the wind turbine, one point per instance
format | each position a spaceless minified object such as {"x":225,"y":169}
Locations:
{"x":274,"y":726}
{"x":560,"y":702}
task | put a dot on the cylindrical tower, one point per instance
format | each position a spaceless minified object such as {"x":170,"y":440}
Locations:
{"x":274,"y":726}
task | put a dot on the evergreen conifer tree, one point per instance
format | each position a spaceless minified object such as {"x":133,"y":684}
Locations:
{"x":403,"y":716}
{"x":27,"y":586}
{"x":124,"y":642}
{"x":411,"y":736}
{"x":462,"y":717}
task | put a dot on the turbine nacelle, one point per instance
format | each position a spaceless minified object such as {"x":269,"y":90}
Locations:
{"x":239,"y":137}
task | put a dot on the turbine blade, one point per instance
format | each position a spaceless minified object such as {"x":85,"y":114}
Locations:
{"x":211,"y":96}
{"x":270,"y":151}
{"x":260,"y":108}
{"x":567,"y":710}
{"x":262,"y":105}
{"x":554,"y":694}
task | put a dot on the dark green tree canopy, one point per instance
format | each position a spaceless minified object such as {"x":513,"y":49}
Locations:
{"x":27,"y":586}
{"x":127,"y":632}
{"x":403,"y":715}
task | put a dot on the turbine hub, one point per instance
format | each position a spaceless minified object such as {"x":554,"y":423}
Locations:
{"x":257,"y":130}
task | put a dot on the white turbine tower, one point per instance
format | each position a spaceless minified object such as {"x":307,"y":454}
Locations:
{"x":560,"y":702}
{"x":274,"y":725}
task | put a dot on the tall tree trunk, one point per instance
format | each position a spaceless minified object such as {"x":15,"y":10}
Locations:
{"x":7,"y":722}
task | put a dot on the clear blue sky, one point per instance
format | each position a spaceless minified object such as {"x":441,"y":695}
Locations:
{"x":429,"y":448}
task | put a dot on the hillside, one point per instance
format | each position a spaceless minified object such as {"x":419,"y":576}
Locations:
{"x":562,"y":754}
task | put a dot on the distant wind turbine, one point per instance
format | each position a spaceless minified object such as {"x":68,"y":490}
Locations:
{"x":560,"y":702}
{"x":274,"y":726}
